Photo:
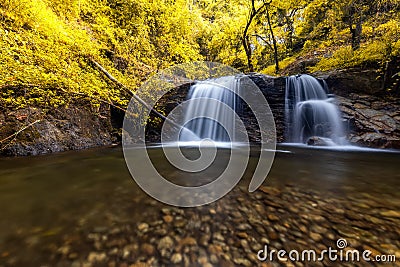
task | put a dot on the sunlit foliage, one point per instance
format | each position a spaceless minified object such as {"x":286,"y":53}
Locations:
{"x":47,"y":44}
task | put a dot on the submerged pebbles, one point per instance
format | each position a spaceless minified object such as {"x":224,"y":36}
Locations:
{"x":231,"y":231}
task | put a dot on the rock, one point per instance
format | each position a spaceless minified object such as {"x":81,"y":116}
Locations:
{"x":243,"y":227}
{"x":273,"y":217}
{"x":165,"y":243}
{"x":60,"y":129}
{"x":347,"y":81}
{"x":214,"y":259}
{"x":319,"y":141}
{"x":218,"y":236}
{"x":96,"y":257}
{"x":215,"y":249}
{"x":391,"y":214}
{"x":176,"y":258}
{"x":243,"y":262}
{"x":316,"y":237}
{"x":188,"y":241}
{"x":242,"y":235}
{"x":143,"y":227}
{"x":147,"y":249}
{"x":168,"y":218}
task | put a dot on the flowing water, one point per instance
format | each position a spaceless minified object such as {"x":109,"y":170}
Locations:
{"x":212,"y":119}
{"x":49,"y":201}
{"x":310,"y":113}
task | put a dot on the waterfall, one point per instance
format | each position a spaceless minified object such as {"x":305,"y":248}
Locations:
{"x":210,"y":119}
{"x":310,"y":113}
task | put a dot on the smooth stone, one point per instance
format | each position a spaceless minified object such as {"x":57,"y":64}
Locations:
{"x":147,"y":249}
{"x":218,"y":236}
{"x":391,"y":214}
{"x":176,"y":258}
{"x":143,"y":227}
{"x":243,"y":227}
{"x":188,"y":241}
{"x":168,"y":218}
{"x":214,"y":259}
{"x":165,"y":243}
{"x":96,"y":257}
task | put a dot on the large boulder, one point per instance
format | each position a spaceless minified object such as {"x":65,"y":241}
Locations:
{"x":371,"y":121}
{"x":344,"y":82}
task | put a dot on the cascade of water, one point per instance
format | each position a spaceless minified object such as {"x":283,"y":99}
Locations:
{"x":310,"y":113}
{"x":210,"y":119}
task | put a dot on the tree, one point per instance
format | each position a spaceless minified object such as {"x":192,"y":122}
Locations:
{"x":271,"y":31}
{"x":254,"y":12}
{"x":353,"y":14}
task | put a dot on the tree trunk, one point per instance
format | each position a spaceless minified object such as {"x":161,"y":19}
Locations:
{"x":276,"y":58}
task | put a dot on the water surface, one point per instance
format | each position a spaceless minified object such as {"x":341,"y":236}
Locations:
{"x":47,"y":200}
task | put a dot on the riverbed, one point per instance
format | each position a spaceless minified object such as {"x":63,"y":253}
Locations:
{"x":84,"y":209}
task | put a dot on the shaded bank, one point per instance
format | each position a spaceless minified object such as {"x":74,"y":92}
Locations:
{"x":78,"y":126}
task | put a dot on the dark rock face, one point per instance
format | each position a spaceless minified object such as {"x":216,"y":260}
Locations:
{"x":272,"y":88}
{"x":274,"y":91}
{"x":344,"y":82}
{"x":371,"y":121}
{"x":318,"y":141}
{"x":72,"y":128}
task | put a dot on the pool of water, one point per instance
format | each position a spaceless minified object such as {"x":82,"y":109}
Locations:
{"x":52,"y":200}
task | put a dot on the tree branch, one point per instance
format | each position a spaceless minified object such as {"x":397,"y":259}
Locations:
{"x":136,"y":97}
{"x":18,"y":132}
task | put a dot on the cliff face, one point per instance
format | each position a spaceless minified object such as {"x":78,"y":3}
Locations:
{"x":371,"y":117}
{"x":370,"y":120}
{"x":72,"y":128}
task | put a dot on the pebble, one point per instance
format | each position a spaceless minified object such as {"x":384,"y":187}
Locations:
{"x":147,"y":249}
{"x":176,"y":258}
{"x":96,"y":257}
{"x":223,"y":234}
{"x":218,"y":236}
{"x":168,"y":218}
{"x":143,"y":227}
{"x":391,"y":214}
{"x":188,"y":241}
{"x":165,"y":243}
{"x":213,"y":259}
{"x":316,"y":237}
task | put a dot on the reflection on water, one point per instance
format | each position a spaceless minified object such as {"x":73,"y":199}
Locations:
{"x":49,"y":199}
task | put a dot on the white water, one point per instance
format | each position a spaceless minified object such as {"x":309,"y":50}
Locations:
{"x":310,"y":113}
{"x":211,"y":119}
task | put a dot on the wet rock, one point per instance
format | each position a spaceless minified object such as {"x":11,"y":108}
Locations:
{"x":168,"y":218}
{"x":165,"y":243}
{"x":242,"y":262}
{"x":96,"y":257}
{"x":316,"y":237}
{"x":188,"y":241}
{"x":243,"y":227}
{"x":391,"y":214}
{"x":218,"y":236}
{"x":143,"y":227}
{"x":147,"y":249}
{"x":176,"y":258}
{"x":319,"y":141}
